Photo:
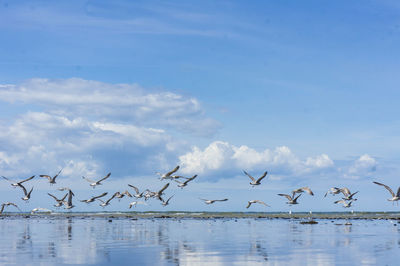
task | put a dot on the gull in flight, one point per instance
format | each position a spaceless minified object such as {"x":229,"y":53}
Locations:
{"x":107,"y":202}
{"x":120,"y":195}
{"x":134,"y":203}
{"x":27,"y":195}
{"x":94,"y":198}
{"x":333,"y":191}
{"x":137,"y":195}
{"x":166,"y":202}
{"x":68,"y":204}
{"x":15,"y":183}
{"x":159,"y":193}
{"x":169,"y":174}
{"x":255,"y":182}
{"x":347,"y":194}
{"x":96,"y":183}
{"x":39,"y":209}
{"x":8,"y":204}
{"x":303,"y":189}
{"x":256,"y":201}
{"x":395,"y":197}
{"x":52,"y":180}
{"x":60,"y":202}
{"x":291,"y":199}
{"x":207,"y":201}
{"x":184,"y":184}
{"x":346,"y":204}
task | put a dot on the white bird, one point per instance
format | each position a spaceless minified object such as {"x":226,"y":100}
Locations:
{"x":96,"y":183}
{"x":137,"y":195}
{"x":165,"y":203}
{"x":256,"y":201}
{"x":60,"y":202}
{"x":395,"y":197}
{"x":184,"y":184}
{"x":303,"y":189}
{"x":27,"y":195}
{"x":291,"y":199}
{"x":207,"y":201}
{"x":255,"y":182}
{"x":347,"y":194}
{"x":94,"y":198}
{"x":107,"y":202}
{"x":8,"y":204}
{"x":39,"y":209}
{"x":15,"y":183}
{"x":346,"y":204}
{"x":168,"y":175}
{"x":333,"y":191}
{"x":68,"y":204}
{"x":52,"y":180}
{"x":134,"y":203}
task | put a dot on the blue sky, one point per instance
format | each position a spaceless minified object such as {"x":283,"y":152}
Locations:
{"x":307,"y":91}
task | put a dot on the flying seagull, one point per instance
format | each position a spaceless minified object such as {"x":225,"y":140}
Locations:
{"x":134,"y":203}
{"x":15,"y":183}
{"x":39,"y":209}
{"x":207,"y":201}
{"x":291,"y":199}
{"x":184,"y":184}
{"x":94,"y":198}
{"x":165,"y":202}
{"x":255,"y":182}
{"x":137,"y":195}
{"x":333,"y":191}
{"x":60,"y":202}
{"x":347,"y":194}
{"x":169,"y":174}
{"x":159,"y":193}
{"x":52,"y":180}
{"x":346,"y":204}
{"x":96,"y":183}
{"x":27,"y":195}
{"x":68,"y":204}
{"x":395,"y":197}
{"x":8,"y":204}
{"x":255,"y":201}
{"x":107,"y":202}
{"x":303,"y":189}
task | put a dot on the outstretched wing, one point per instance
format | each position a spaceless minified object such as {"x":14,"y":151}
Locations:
{"x":261,"y":202}
{"x":104,"y":178}
{"x":221,"y":200}
{"x":248,"y":204}
{"x":308,"y":190}
{"x":252,"y":178}
{"x":99,"y":196}
{"x":29,"y":178}
{"x":46,"y":176}
{"x":89,"y":180}
{"x":346,"y":192}
{"x":173,"y":171}
{"x":387,"y":187}
{"x":261,"y":177}
{"x":164,"y":188}
{"x":135,"y":188}
{"x":23,"y":188}
{"x":286,"y":195}
{"x":9,"y":180}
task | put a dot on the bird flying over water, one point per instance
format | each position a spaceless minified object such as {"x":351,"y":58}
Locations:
{"x":346,"y":204}
{"x":165,"y":202}
{"x":94,"y":198}
{"x":52,"y":180}
{"x":184,"y":184}
{"x":96,"y":183}
{"x":255,"y":201}
{"x":60,"y":202}
{"x":291,"y":199}
{"x":303,"y":189}
{"x":137,"y":195}
{"x":333,"y":191}
{"x":255,"y":182}
{"x":27,"y":195}
{"x":8,"y":204}
{"x":207,"y":201}
{"x":168,"y":175}
{"x":395,"y":197}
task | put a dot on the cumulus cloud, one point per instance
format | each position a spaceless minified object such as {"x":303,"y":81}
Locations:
{"x":364,"y":166}
{"x":221,"y":155}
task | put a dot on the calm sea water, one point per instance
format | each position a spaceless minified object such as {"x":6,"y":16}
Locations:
{"x":247,"y":241}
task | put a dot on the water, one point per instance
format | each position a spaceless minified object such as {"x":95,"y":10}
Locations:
{"x":89,"y":240}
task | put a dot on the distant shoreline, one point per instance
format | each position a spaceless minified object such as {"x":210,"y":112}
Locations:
{"x":211,"y":215}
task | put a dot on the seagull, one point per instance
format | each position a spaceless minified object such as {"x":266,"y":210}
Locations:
{"x":148,"y":194}
{"x":137,"y":195}
{"x":346,"y":204}
{"x":8,"y":204}
{"x":68,"y":204}
{"x":26,"y":193}
{"x":303,"y":189}
{"x":106,"y":203}
{"x":134,"y":203}
{"x":333,"y":191}
{"x":291,"y":199}
{"x":95,"y":183}
{"x":52,"y":180}
{"x":120,"y":195}
{"x":94,"y":198}
{"x":41,"y":210}
{"x":256,"y":201}
{"x":60,"y":202}
{"x":347,"y":194}
{"x":184,"y":184}
{"x":169,"y":174}
{"x":15,"y":183}
{"x":255,"y":182}
{"x":160,"y":192}
{"x":395,"y":197}
{"x":165,"y":203}
{"x":206,"y":201}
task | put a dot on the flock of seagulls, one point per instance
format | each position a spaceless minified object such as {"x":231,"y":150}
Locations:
{"x":141,"y":197}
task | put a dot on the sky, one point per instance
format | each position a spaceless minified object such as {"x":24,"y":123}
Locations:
{"x":305,"y":90}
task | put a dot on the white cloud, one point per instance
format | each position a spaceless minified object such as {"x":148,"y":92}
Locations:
{"x":222,"y":155}
{"x":362,"y":167}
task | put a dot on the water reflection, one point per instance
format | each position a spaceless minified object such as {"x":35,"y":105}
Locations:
{"x":106,"y":241}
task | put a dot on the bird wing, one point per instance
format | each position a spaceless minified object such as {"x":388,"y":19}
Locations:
{"x":54,"y":197}
{"x":13,"y":204}
{"x":353,"y":194}
{"x":326,"y":194}
{"x":46,"y":176}
{"x":286,"y":195}
{"x":89,"y":180}
{"x":261,"y":177}
{"x":398,"y":192}
{"x":221,"y":200}
{"x":126,"y":193}
{"x":23,"y":188}
{"x":190,"y":179}
{"x":340,"y":201}
{"x":99,"y":196}
{"x":29,"y":178}
{"x":104,"y":178}
{"x":296,"y":197}
{"x":169,"y":198}
{"x":387,"y":187}
{"x":346,"y":192}
{"x":261,"y":202}
{"x":248,"y":204}
{"x":173,"y":171}
{"x":135,"y":188}
{"x":70,"y":194}
{"x":308,"y":190}
{"x":252,"y":178}
{"x":164,"y":188}
{"x":9,"y":180}
{"x":29,"y":194}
